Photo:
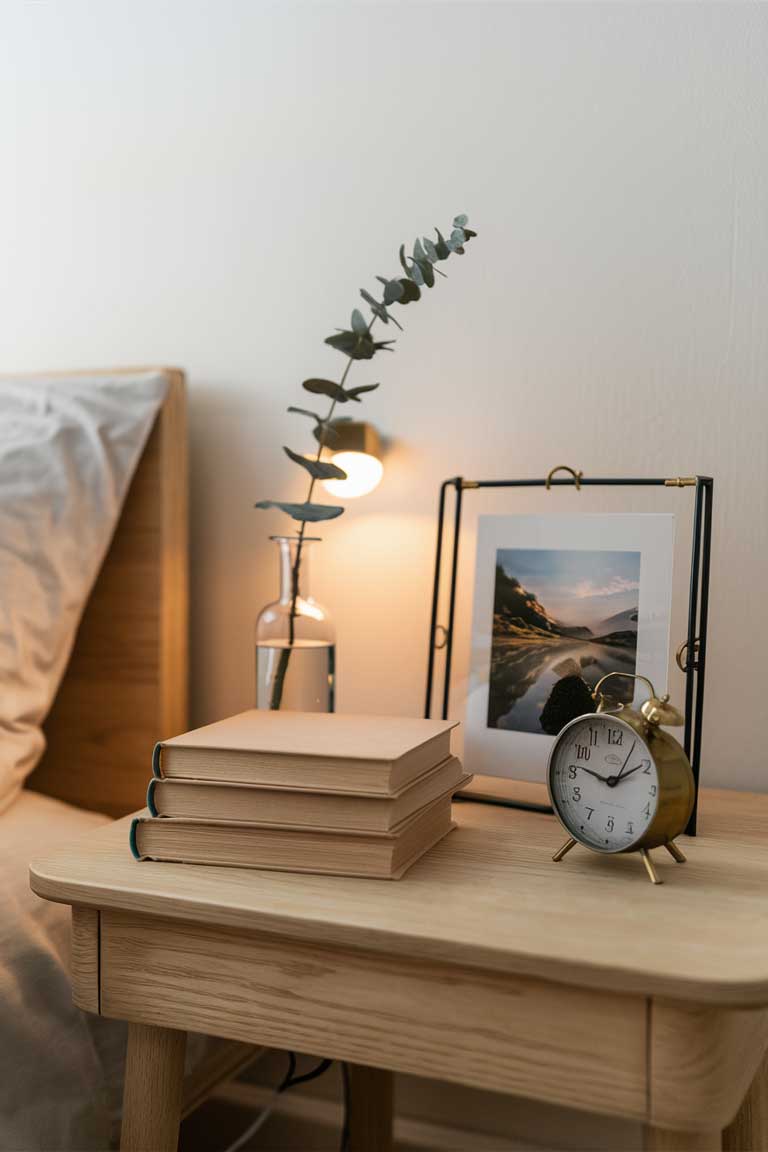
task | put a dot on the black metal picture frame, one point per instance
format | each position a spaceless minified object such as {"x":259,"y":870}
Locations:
{"x":691,"y":655}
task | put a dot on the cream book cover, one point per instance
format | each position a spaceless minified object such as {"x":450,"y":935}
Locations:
{"x":380,"y":855}
{"x":258,"y":803}
{"x":308,"y":750}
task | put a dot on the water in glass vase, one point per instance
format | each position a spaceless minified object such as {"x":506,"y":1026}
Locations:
{"x":295,"y":639}
{"x":308,"y":684}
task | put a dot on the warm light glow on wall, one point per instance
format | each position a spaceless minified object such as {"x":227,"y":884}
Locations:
{"x":356,"y":449}
{"x":364,"y":473}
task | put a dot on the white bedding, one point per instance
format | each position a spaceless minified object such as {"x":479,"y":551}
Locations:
{"x":58,"y":1066}
{"x":68,"y":449}
{"x":61,"y":1070}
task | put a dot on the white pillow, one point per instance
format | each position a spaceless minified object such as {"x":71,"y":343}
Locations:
{"x":68,"y":449}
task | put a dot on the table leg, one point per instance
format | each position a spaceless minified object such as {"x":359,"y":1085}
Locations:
{"x":667,"y":1140}
{"x":370,"y":1104}
{"x":154,"y":1073}
{"x":749,"y":1130}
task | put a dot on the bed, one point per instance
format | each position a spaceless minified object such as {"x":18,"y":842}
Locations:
{"x":125,"y":687}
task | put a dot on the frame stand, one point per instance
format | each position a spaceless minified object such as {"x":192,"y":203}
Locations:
{"x":690,"y":656}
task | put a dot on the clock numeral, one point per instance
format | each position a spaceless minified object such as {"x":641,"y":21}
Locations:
{"x":577,"y":794}
{"x":592,"y":737}
{"x":589,"y":813}
{"x":630,"y":828}
{"x":582,"y":752}
{"x":653,"y":790}
{"x":609,"y":824}
{"x":615,"y":736}
{"x":647,"y":769}
{"x":572,"y":770}
{"x":647,"y":810}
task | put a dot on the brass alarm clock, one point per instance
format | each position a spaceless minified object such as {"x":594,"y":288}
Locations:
{"x":618,"y":783}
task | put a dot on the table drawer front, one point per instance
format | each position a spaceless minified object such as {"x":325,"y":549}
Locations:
{"x":508,"y":1033}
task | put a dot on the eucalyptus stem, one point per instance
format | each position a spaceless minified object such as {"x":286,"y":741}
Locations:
{"x":278,"y":684}
{"x":418,"y":273}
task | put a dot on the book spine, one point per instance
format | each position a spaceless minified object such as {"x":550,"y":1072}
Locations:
{"x":132,"y":838}
{"x":156,"y":755}
{"x":151,"y":796}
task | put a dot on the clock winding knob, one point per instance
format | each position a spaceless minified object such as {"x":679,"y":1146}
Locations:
{"x":658,"y":711}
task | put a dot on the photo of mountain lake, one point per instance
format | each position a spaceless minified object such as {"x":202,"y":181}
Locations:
{"x":559,"y":615}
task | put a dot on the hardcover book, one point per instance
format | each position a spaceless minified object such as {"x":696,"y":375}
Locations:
{"x":257,"y":803}
{"x":311,"y":751}
{"x":377,"y":855}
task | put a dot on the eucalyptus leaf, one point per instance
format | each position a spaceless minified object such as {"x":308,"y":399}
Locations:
{"x":427,"y":272}
{"x":418,"y":252}
{"x":379,"y":310}
{"x":468,"y":234}
{"x":305,"y":412}
{"x":403,"y":261}
{"x":325,"y":388}
{"x":356,"y":393}
{"x":374,"y":303}
{"x":344,"y":341}
{"x":326,"y":432}
{"x":411,"y":292}
{"x":442,"y":249}
{"x":306,"y":512}
{"x":376,"y":306}
{"x":324,"y":429}
{"x":357,"y":346}
{"x":461,"y":220}
{"x":415,"y":274}
{"x":318,"y":469}
{"x":378,"y":346}
{"x":358,"y":322}
{"x":430,"y":250}
{"x":458,"y":236}
{"x":393,"y":291}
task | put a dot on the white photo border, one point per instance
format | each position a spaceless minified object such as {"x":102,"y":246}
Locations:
{"x":523,"y":755}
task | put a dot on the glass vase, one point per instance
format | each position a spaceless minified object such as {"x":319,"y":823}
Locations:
{"x":295,"y":639}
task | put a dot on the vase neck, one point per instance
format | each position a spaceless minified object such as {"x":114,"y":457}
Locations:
{"x":294,"y":583}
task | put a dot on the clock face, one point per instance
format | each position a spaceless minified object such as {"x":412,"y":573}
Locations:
{"x":603,"y":782}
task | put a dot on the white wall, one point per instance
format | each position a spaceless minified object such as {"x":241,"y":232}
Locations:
{"x":209,"y":184}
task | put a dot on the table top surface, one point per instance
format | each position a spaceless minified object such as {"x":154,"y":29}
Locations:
{"x":490,"y":897}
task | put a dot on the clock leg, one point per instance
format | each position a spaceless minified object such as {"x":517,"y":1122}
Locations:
{"x":676,"y":853}
{"x":649,"y":867}
{"x":564,"y":850}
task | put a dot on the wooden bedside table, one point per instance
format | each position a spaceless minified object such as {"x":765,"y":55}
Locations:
{"x":576,"y":983}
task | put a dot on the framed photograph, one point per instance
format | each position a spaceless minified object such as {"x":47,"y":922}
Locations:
{"x":559,"y":602}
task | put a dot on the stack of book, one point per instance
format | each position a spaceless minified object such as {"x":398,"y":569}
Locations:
{"x":302,"y":792}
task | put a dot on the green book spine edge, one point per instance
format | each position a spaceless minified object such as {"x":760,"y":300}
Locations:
{"x":151,"y":796}
{"x":132,"y":837}
{"x":156,"y":761}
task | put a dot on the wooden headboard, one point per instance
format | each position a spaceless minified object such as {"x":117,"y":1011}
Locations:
{"x":126,"y":683}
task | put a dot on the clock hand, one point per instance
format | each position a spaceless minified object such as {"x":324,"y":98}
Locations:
{"x":626,"y":774}
{"x":626,"y":761}
{"x":595,"y":774}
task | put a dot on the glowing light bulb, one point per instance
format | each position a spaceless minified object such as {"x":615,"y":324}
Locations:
{"x":364,"y":473}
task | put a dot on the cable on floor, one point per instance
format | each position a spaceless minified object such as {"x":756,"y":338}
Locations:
{"x":290,"y":1080}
